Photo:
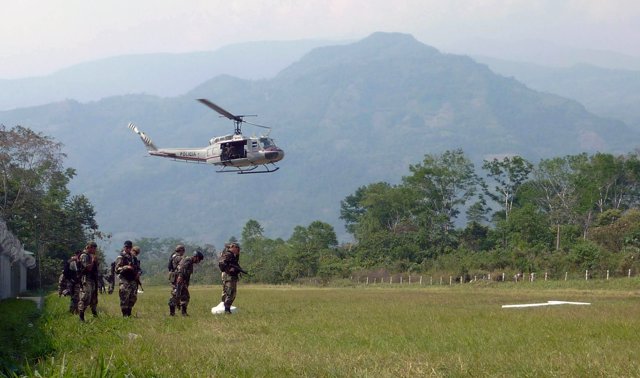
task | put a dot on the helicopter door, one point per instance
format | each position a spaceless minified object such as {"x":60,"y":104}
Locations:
{"x":234,"y":150}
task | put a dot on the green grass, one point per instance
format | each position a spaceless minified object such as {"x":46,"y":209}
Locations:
{"x":22,"y":339}
{"x":361,"y":331}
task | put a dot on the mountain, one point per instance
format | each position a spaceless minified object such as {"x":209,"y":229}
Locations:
{"x":613,"y":93}
{"x":158,"y":74}
{"x":346,"y":115}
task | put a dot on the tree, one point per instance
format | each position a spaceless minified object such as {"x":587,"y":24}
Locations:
{"x":508,"y":175}
{"x":35,"y":200}
{"x":444,"y":183}
{"x":557,"y":194}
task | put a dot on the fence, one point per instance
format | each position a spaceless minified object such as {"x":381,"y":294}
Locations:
{"x":420,"y":280}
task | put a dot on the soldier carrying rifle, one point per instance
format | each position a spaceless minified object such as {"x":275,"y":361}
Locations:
{"x":229,"y":264}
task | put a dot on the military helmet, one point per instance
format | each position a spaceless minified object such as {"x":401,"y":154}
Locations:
{"x":179,"y":248}
{"x":128,"y":243}
{"x":198,"y":254}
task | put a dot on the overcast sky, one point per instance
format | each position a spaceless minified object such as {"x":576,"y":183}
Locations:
{"x":38,"y":37}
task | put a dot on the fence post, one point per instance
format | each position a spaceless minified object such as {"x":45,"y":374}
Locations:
{"x":420,"y":280}
{"x":566,"y":274}
{"x":533,"y":276}
{"x":450,"y":280}
{"x":409,"y":279}
{"x":375,"y":280}
{"x":390,"y":280}
{"x":629,"y":274}
{"x":607,"y":274}
{"x":545,"y":276}
{"x":367,"y":280}
{"x":401,"y":279}
{"x":586,"y":275}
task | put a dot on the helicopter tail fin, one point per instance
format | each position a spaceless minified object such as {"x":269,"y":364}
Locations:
{"x":145,"y":139}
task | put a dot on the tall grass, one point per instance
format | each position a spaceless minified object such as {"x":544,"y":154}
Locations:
{"x":354,"y":332}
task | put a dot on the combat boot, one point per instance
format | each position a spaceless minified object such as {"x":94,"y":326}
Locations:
{"x":172,"y":310}
{"x":124,"y":312}
{"x":94,"y":313}
{"x":82,"y":316}
{"x":227,"y":309}
{"x":184,"y":310}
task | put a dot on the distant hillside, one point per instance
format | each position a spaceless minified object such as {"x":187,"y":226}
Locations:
{"x":157,"y":74}
{"x":346,"y":115}
{"x":607,"y":92}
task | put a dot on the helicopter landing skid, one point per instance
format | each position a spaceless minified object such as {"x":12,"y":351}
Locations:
{"x":249,"y":171}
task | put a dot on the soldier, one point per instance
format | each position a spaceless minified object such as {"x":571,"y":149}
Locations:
{"x":110,"y":276}
{"x":88,"y":277}
{"x":174,"y":261}
{"x":183,"y":276}
{"x":69,"y":283}
{"x":127,"y":273}
{"x":229,"y":264}
{"x":135,"y":252}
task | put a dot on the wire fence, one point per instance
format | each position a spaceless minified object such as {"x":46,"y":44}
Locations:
{"x":421,"y":279}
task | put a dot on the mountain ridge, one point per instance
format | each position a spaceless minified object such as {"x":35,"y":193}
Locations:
{"x":363,"y":118}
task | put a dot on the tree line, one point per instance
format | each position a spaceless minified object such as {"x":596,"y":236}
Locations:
{"x":564,"y":214}
{"x":561,"y":214}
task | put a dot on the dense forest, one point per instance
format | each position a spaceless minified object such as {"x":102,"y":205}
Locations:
{"x":564,"y":214}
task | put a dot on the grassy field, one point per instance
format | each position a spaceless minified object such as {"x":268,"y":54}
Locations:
{"x":361,"y":331}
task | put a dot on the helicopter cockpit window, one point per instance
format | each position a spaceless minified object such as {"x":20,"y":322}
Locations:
{"x":266,"y":142}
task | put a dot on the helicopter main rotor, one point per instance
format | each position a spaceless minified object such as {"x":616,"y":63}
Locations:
{"x":237,"y":119}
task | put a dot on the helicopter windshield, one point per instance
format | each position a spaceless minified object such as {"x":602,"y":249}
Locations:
{"x":267,"y":142}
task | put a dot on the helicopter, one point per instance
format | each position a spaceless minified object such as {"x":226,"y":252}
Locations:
{"x":233,"y":152}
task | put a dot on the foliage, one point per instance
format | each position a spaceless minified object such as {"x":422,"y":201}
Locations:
{"x":36,"y":203}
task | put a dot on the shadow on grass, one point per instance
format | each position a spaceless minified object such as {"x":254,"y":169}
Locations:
{"x":21,"y":335}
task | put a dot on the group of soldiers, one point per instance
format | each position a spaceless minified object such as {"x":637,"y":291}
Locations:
{"x":81,"y":278}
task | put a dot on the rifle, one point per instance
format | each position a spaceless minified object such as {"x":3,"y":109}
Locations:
{"x":139,"y":283}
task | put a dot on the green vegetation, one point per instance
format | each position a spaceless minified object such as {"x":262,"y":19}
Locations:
{"x":22,"y":335}
{"x":356,"y":331}
{"x":37,"y":205}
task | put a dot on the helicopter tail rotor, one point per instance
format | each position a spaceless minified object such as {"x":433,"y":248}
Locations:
{"x":148,"y":143}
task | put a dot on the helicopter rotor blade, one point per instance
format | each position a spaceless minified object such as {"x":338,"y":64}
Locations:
{"x":255,"y":124}
{"x":220,"y":110}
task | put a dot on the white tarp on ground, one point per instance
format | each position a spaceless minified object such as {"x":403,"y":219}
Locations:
{"x":547,"y":303}
{"x":219,"y":309}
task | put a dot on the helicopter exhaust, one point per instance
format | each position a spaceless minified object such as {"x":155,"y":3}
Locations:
{"x":148,"y":143}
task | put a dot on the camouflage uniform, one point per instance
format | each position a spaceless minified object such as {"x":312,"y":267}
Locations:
{"x":111,"y":278}
{"x":88,"y":280}
{"x":68,"y":283}
{"x":174,"y":261}
{"x":229,"y":264}
{"x":183,"y":276}
{"x":128,"y":275}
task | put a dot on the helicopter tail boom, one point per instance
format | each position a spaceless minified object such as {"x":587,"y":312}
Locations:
{"x":148,"y":143}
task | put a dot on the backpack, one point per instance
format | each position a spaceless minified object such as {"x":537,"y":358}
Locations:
{"x":170,"y":264}
{"x":222,"y":263}
{"x":69,"y":270}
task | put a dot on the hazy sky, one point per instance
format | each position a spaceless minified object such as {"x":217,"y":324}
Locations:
{"x":38,"y":37}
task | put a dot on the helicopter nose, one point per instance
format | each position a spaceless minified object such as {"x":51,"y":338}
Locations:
{"x":275,"y":155}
